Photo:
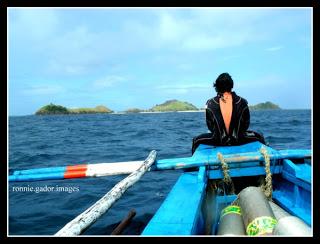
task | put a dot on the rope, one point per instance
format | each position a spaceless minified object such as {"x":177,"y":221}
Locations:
{"x":267,"y":187}
{"x":225,"y":169}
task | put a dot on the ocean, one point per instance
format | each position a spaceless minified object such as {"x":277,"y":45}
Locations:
{"x":59,"y":140}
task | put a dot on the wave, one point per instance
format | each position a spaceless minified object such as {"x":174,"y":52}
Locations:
{"x":113,"y":138}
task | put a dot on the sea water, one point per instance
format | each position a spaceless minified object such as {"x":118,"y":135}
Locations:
{"x":44,"y":207}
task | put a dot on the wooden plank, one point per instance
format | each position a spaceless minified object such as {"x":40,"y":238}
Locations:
{"x":180,"y":211}
{"x":303,"y":213}
{"x":248,"y":171}
{"x":305,"y":185}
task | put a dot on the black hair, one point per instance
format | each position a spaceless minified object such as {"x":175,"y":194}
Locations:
{"x":224,"y":83}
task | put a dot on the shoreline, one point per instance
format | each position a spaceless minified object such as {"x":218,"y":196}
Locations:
{"x":186,"y":111}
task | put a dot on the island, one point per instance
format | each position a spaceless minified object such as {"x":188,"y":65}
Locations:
{"x":173,"y":106}
{"x":264,"y":106}
{"x":58,"y":109}
{"x":168,"y":106}
{"x":98,"y":109}
{"x":134,"y":110}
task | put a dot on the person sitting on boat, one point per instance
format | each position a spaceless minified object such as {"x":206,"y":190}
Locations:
{"x":227,"y":117}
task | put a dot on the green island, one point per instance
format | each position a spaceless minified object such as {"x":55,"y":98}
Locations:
{"x":264,"y":106}
{"x":134,"y":110}
{"x":168,"y":106}
{"x":58,"y":109}
{"x":173,"y":106}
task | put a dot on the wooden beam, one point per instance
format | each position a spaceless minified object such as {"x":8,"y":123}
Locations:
{"x":124,"y":223}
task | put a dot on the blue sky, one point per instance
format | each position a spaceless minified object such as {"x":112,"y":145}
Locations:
{"x":138,"y":57}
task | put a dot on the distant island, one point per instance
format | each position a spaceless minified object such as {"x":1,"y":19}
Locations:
{"x":168,"y":106}
{"x":58,"y":109}
{"x":263,"y":106}
{"x":173,"y":106}
{"x":135,"y":110}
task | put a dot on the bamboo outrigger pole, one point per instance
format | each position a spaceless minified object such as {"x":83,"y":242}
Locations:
{"x":89,"y":216}
{"x":184,"y":163}
{"x":105,"y":169}
{"x":75,"y":171}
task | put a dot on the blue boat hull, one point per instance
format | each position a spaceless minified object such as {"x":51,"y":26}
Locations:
{"x":193,"y":205}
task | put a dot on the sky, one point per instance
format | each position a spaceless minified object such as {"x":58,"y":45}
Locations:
{"x":139,"y":57}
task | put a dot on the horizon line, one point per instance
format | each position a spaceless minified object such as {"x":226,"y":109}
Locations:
{"x":124,"y":112}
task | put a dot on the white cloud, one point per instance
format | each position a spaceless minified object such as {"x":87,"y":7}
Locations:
{"x":208,"y":29}
{"x":172,"y":29}
{"x":107,"y":82}
{"x":207,"y":42}
{"x":35,"y":24}
{"x":78,"y":49}
{"x":230,"y":57}
{"x":272,"y":49}
{"x":182,"y":88}
{"x":76,"y":52}
{"x":44,"y":90}
{"x":262,"y":83}
{"x":184,"y":66}
{"x":66,"y":68}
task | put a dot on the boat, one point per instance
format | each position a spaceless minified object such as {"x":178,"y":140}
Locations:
{"x":249,"y":189}
{"x":194,"y":204}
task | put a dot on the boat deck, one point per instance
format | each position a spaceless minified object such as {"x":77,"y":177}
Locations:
{"x":178,"y":215}
{"x":193,"y":208}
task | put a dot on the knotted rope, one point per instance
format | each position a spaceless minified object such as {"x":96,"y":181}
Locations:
{"x":267,"y":187}
{"x":225,"y":169}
